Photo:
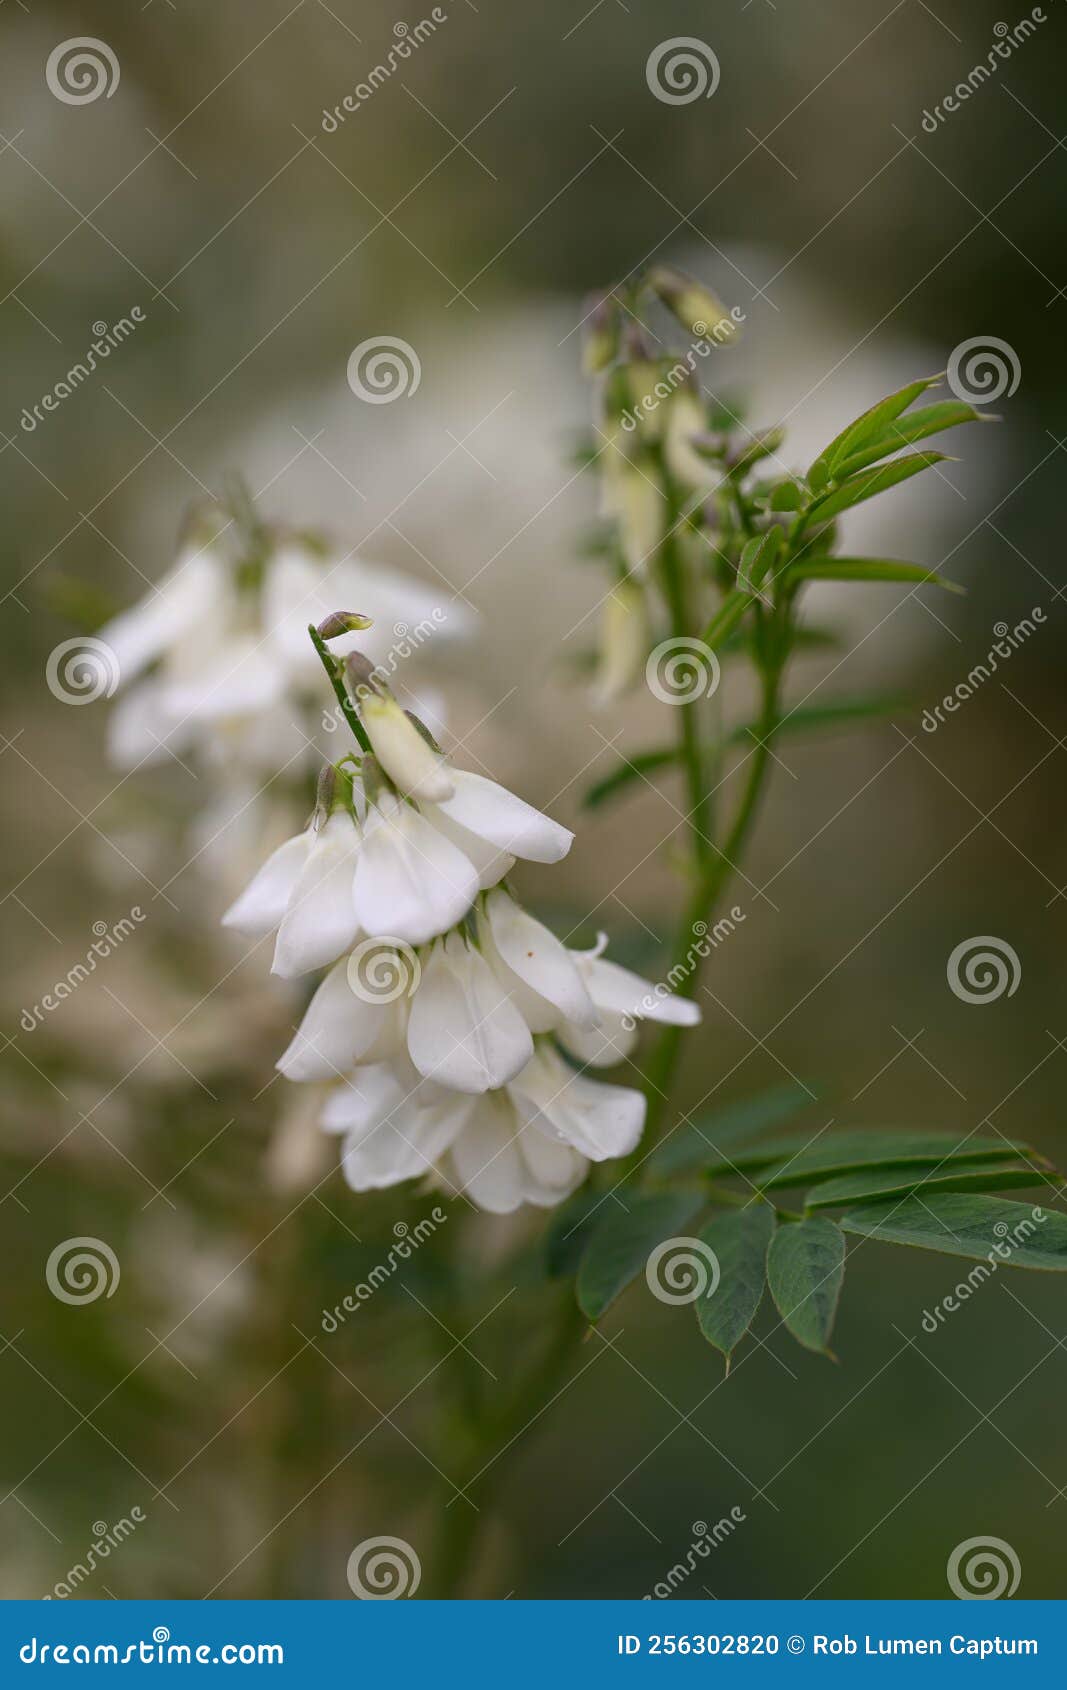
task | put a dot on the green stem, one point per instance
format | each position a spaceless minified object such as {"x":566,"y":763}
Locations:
{"x":333,"y":675}
{"x":675,"y":587}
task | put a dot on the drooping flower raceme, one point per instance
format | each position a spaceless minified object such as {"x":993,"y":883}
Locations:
{"x":450,"y":1018}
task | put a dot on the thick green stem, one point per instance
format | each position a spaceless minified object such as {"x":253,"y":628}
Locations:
{"x":675,"y":586}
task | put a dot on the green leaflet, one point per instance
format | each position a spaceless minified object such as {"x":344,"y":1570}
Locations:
{"x":739,"y":1241}
{"x":639,"y":764}
{"x":787,"y":496}
{"x":985,"y":1228}
{"x":846,"y":1152}
{"x":805,"y":1270}
{"x":569,"y":1230}
{"x":870,"y":482}
{"x":758,"y":558}
{"x":880,"y":1185}
{"x":726,"y":618}
{"x":620,"y":1245}
{"x":693,"y":1146}
{"x":865,"y":569}
{"x":864,"y":429}
{"x":905,"y":431}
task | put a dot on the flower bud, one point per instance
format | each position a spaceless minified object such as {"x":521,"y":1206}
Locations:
{"x":623,"y":643}
{"x":342,"y":622}
{"x":362,"y":676}
{"x":686,"y":422}
{"x":411,"y":765}
{"x":634,"y":497}
{"x":695,"y":306}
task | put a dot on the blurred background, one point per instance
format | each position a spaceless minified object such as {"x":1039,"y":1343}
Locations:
{"x":515,"y":160}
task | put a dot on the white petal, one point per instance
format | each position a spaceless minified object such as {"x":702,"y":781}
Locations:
{"x":364,"y":1099}
{"x":485,"y":1158}
{"x":337,"y":1030}
{"x":407,"y":1144}
{"x":597,"y":1119}
{"x":405,"y":756}
{"x":539,"y":960}
{"x":553,"y":1169}
{"x":240,"y":677}
{"x":623,"y":993}
{"x":265,"y":899}
{"x":462,"y":1030}
{"x":602,"y":1046}
{"x":141,"y":731}
{"x":187,"y":594}
{"x":506,"y":821}
{"x":410,"y":882}
{"x":492,"y":864}
{"x":320,"y":921}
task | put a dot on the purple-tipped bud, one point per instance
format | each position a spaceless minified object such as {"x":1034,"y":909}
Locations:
{"x":342,"y":622}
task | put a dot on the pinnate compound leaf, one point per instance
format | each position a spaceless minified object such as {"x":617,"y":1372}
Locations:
{"x":984,"y":1228}
{"x":849,"y":1151}
{"x":905,"y":431}
{"x":739,"y":1241}
{"x":620,"y":1244}
{"x":870,"y":482}
{"x":805,"y":1270}
{"x":865,"y":427}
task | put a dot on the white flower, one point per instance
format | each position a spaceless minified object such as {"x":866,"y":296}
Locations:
{"x":340,"y":1028}
{"x":541,"y":975}
{"x":409,"y":762}
{"x":530,"y":1141}
{"x":622,"y":999}
{"x":686,"y":417}
{"x":232,"y":656}
{"x":463,"y":1030}
{"x":410,"y":881}
{"x":623,"y":643}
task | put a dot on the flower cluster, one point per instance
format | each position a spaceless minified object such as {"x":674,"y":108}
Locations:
{"x":216,"y":656}
{"x":448,"y":1013}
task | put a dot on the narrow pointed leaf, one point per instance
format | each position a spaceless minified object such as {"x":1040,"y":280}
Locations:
{"x":711,"y":1136}
{"x":739,"y":1241}
{"x":880,"y":1186}
{"x":726,"y":618}
{"x":866,"y":569}
{"x":620,"y":1244}
{"x":796,"y":1160}
{"x":640,"y":764}
{"x":811,"y":718}
{"x":989,"y":1229}
{"x":864,"y":428}
{"x":870,"y":482}
{"x":905,"y":431}
{"x":805,"y":1269}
